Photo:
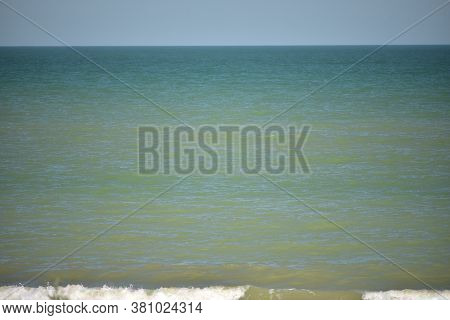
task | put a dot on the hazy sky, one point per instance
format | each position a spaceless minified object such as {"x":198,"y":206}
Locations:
{"x":223,"y":22}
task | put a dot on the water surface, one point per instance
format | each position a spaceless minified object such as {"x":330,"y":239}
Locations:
{"x":379,"y":154}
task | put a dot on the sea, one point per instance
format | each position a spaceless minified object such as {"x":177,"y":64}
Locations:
{"x":376,"y":220}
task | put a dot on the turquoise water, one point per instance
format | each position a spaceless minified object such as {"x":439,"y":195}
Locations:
{"x":378,"y":151}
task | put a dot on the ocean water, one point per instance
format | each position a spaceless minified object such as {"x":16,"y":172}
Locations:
{"x":378,"y":151}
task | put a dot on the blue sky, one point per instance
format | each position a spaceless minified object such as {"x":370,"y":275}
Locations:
{"x":230,"y":22}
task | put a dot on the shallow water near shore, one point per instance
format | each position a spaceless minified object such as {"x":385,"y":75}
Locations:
{"x":378,"y":151}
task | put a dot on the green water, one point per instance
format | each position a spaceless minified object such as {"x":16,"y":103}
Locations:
{"x":378,"y":151}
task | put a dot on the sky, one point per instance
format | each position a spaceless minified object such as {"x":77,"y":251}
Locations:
{"x":224,"y":22}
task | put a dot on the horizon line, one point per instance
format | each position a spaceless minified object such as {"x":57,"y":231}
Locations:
{"x":227,"y":45}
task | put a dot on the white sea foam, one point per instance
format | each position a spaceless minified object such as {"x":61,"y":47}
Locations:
{"x":407,"y":295}
{"x":211,"y":293}
{"x":79,"y":292}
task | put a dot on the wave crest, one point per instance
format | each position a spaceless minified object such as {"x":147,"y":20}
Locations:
{"x":79,"y":292}
{"x":407,"y":295}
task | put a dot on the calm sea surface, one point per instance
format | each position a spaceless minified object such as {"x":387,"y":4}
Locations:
{"x":379,"y":152}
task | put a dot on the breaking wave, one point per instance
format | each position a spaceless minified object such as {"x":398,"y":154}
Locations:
{"x":80,"y":292}
{"x":407,"y":295}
